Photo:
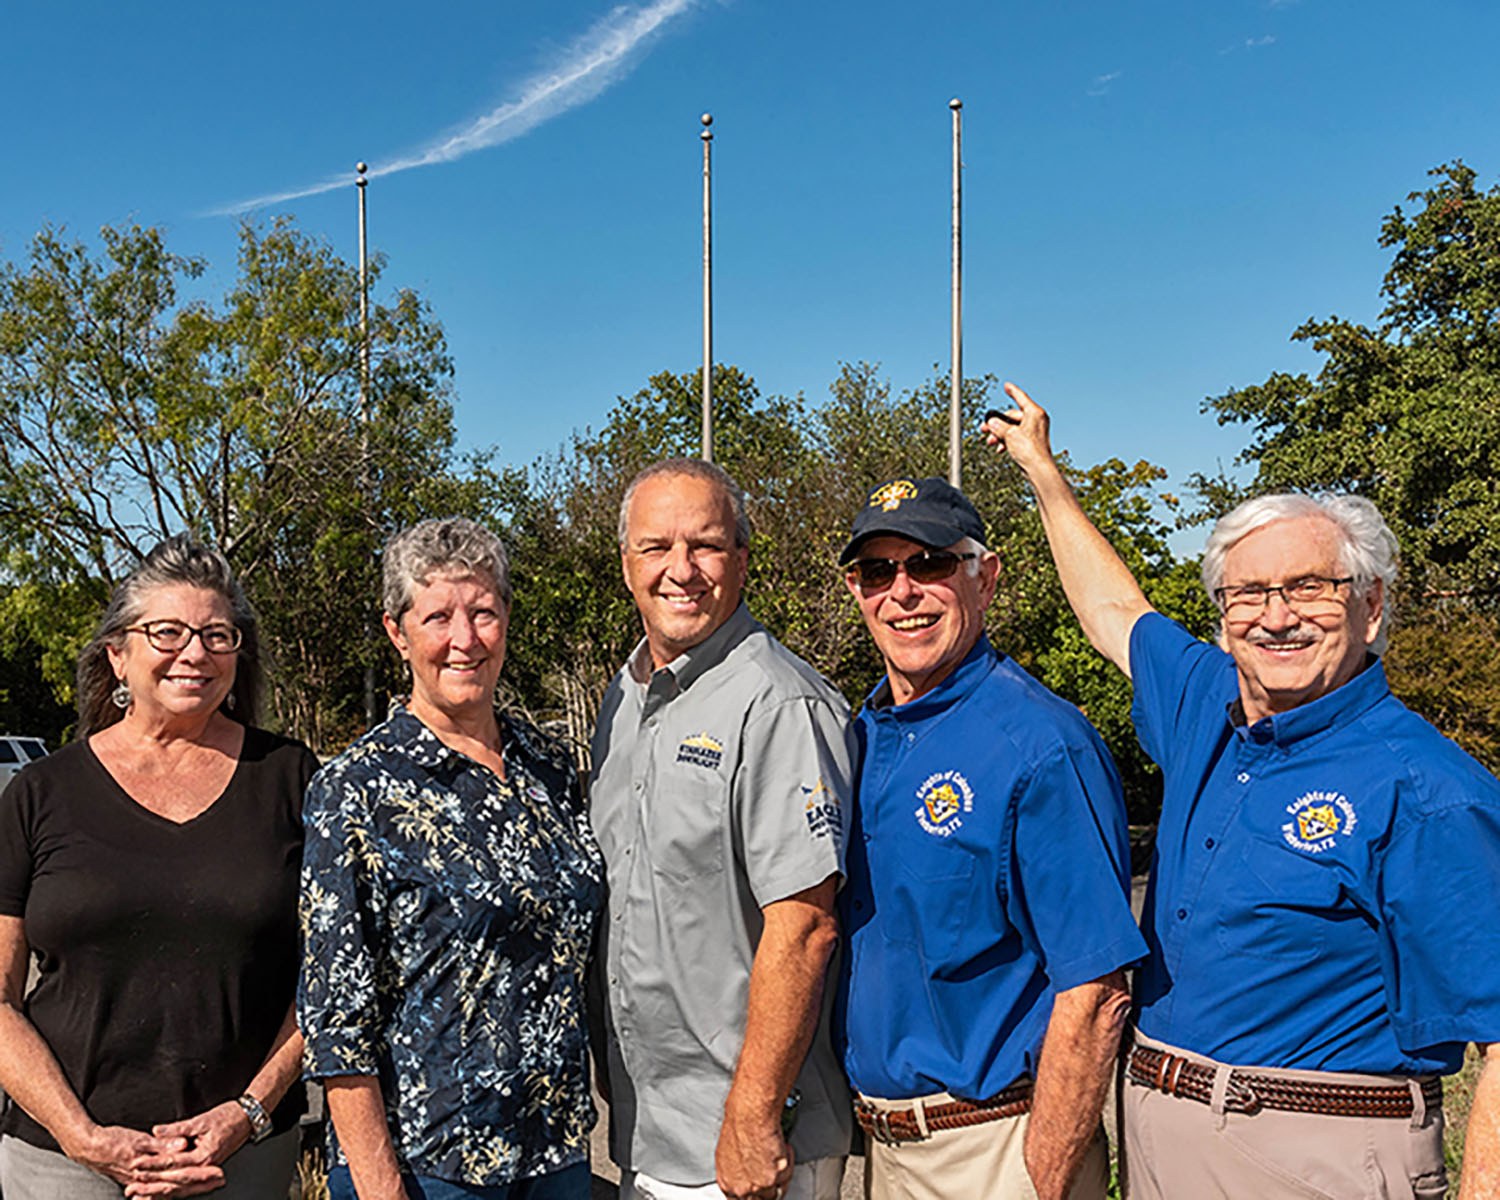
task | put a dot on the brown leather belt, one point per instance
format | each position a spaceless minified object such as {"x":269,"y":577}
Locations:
{"x":890,"y":1125}
{"x":1249,"y":1091}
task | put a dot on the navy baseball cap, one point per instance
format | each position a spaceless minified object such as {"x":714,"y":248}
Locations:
{"x":930,"y":511}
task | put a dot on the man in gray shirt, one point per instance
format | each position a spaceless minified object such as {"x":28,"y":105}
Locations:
{"x":721,"y":775}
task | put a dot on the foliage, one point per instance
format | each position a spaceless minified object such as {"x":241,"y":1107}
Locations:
{"x":1408,"y":412}
{"x":126,"y":415}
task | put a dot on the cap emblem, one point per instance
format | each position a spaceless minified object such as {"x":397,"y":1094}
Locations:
{"x":889,"y":496}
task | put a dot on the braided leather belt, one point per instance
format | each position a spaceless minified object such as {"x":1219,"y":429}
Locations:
{"x":891,"y":1125}
{"x":1249,"y":1092}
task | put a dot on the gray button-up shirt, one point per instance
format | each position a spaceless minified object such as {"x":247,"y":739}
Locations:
{"x":721,"y":784}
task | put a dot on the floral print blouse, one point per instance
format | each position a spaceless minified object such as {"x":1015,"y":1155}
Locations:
{"x":448,"y":918}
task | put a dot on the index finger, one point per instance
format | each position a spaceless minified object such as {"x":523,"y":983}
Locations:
{"x":1017,"y":393}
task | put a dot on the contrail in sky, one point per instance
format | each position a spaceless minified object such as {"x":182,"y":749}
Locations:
{"x":597,"y":59}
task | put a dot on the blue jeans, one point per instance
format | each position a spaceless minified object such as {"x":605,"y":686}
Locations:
{"x":571,"y":1183}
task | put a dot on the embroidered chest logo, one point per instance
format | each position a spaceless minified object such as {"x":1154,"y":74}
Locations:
{"x":890,"y":495}
{"x":701,"y":750}
{"x":1317,"y":821}
{"x":821,"y":807}
{"x":945,"y":798}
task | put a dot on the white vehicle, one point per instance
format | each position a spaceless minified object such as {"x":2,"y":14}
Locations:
{"x":16,"y":752}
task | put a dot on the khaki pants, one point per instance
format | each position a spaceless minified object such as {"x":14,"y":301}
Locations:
{"x":256,"y":1171}
{"x":978,"y":1162}
{"x":1178,"y":1149}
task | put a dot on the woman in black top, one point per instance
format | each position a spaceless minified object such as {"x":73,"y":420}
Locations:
{"x":151,"y":867}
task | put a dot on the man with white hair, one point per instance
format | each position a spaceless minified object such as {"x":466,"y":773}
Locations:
{"x":1317,"y":961}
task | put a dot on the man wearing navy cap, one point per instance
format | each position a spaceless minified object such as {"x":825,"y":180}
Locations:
{"x":986,"y":902}
{"x":1322,"y":922}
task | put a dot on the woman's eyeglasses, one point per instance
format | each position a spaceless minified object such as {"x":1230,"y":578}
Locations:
{"x":170,"y":637}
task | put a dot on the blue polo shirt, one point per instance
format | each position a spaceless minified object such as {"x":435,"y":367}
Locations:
{"x":1325,"y":879}
{"x":988,"y":867}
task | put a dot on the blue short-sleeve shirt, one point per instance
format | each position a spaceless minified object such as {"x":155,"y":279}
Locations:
{"x":1323,"y":895}
{"x":988,"y":867}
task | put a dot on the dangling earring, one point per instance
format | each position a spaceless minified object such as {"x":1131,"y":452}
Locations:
{"x":229,"y":702}
{"x":121,"y":695}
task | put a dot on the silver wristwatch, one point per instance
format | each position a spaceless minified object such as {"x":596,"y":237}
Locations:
{"x":260,"y":1119}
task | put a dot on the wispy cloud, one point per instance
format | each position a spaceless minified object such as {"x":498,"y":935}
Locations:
{"x":1256,"y":43}
{"x":1101,"y":83}
{"x":601,"y":56}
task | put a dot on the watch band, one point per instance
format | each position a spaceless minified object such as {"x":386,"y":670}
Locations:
{"x":255,"y":1111}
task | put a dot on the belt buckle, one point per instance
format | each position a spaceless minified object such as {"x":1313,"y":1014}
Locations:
{"x":882,"y":1130}
{"x":1243,"y":1096}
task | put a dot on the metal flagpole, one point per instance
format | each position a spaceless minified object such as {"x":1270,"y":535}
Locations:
{"x":708,"y":292}
{"x":956,"y":377}
{"x":360,"y":183}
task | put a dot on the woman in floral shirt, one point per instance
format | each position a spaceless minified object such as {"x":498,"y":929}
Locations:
{"x":450,"y":888}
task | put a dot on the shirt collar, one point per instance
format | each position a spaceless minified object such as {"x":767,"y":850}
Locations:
{"x":1342,"y":706}
{"x":967,"y":676}
{"x":678,"y":675}
{"x":406,"y":734}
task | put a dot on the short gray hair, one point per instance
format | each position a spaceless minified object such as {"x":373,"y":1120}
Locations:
{"x":975,"y":547}
{"x":695,"y":468}
{"x":1367,"y":548}
{"x":448,"y":546}
{"x":178,"y":561}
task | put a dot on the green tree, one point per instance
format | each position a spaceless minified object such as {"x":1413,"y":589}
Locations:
{"x":1407,"y":412}
{"x":126,"y":415}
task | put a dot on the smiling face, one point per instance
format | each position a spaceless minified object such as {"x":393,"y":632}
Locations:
{"x":923,"y":630}
{"x":1288,"y":657}
{"x":680,"y":561}
{"x":182,"y":686}
{"x":453,"y":637}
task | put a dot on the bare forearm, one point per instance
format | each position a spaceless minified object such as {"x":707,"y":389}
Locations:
{"x":1077,"y":1064}
{"x":282,"y":1066}
{"x":1481,"y":1174}
{"x":30,"y":1074}
{"x":356,"y":1106}
{"x":1099,"y":586}
{"x":786,"y":996}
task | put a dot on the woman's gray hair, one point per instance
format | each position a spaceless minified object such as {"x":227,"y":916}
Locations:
{"x":1367,"y":548}
{"x":178,"y":561}
{"x":444,"y":546}
{"x":696,"y":468}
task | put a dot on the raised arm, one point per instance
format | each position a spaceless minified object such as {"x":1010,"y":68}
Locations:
{"x":1098,"y":584}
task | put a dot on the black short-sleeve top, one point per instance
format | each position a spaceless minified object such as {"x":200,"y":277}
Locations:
{"x":167,"y":953}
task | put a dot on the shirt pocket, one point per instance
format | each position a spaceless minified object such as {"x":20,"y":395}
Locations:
{"x":684,"y":823}
{"x":931,"y":889}
{"x":1277,"y":903}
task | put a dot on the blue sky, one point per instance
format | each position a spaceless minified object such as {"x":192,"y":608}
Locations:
{"x":1156,"y":192}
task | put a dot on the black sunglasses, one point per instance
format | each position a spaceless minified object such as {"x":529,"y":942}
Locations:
{"x":930,"y":566}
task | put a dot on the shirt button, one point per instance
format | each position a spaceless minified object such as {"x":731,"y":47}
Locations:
{"x":1243,"y":776}
{"x":911,"y":737}
{"x":1182,"y":914}
{"x":1208,"y":843}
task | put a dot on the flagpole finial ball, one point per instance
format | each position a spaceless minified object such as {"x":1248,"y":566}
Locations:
{"x":707,"y":119}
{"x":361,"y":168}
{"x":955,"y":104}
